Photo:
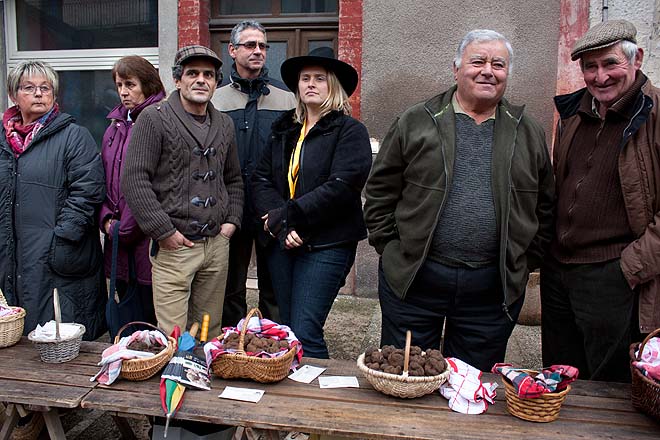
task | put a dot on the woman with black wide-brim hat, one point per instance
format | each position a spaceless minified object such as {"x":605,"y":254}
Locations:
{"x":307,"y":190}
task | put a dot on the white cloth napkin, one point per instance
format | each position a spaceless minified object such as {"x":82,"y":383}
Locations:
{"x":46,"y":333}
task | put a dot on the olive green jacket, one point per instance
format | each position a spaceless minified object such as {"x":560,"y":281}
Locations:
{"x":410,"y":181}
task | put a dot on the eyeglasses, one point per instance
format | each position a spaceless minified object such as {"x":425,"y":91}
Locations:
{"x":31,"y":90}
{"x":252,"y":45}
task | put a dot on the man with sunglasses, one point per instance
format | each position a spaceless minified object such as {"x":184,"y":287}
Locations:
{"x":182,"y":182}
{"x":253,"y":100}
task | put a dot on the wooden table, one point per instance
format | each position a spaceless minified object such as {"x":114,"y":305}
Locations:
{"x":26,"y":383}
{"x":592,"y":410}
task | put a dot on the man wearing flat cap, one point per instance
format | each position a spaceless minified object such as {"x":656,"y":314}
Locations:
{"x":182,"y":180}
{"x":459,"y":205}
{"x":600,"y":284}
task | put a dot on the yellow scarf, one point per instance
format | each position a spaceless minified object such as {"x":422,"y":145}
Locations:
{"x":294,"y":163}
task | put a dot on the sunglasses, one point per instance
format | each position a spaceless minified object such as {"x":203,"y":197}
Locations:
{"x":252,"y":45}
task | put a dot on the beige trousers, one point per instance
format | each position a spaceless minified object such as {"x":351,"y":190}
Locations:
{"x":189,"y":282}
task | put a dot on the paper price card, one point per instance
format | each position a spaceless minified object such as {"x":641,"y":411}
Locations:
{"x":243,"y":394}
{"x":306,"y":374}
{"x":338,"y":382}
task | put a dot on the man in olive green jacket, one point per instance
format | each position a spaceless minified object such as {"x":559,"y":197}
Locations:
{"x":459,"y":205}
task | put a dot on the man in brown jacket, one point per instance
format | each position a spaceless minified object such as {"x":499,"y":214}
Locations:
{"x":600,"y":285}
{"x":182,"y":180}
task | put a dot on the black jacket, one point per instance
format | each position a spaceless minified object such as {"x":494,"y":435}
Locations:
{"x":49,"y":237}
{"x":253,"y":105}
{"x":334,"y":165}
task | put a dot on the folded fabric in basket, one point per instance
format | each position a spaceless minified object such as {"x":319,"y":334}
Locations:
{"x":112,"y":357}
{"x":6,"y":311}
{"x":47,"y":332}
{"x":649,"y":362}
{"x":551,"y":379}
{"x":263,"y":328}
{"x":464,"y":389}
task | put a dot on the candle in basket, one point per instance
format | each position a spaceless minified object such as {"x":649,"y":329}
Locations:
{"x":205,"y":327}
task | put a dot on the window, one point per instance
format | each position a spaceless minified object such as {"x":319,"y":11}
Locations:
{"x":274,"y":8}
{"x":294,"y":27}
{"x":82,"y":39}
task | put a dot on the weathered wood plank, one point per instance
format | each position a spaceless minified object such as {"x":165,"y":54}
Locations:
{"x":45,"y":394}
{"x":371,"y":420}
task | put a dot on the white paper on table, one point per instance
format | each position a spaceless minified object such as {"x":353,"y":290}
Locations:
{"x":306,"y":373}
{"x":338,"y":382}
{"x":244,"y":394}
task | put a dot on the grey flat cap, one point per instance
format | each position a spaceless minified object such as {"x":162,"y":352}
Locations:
{"x":603,"y":35}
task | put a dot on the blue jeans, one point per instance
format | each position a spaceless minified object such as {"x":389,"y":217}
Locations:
{"x":306,"y":284}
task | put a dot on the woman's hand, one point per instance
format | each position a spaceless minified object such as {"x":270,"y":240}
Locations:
{"x":293,"y":240}
{"x":107,"y":226}
{"x":265,"y":219}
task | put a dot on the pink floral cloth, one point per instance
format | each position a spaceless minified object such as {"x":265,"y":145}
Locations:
{"x":263,"y":328}
{"x":112,"y":357}
{"x":6,"y":311}
{"x":649,"y":362}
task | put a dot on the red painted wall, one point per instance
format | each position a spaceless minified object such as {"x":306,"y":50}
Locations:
{"x":573,"y":23}
{"x":194,"y":23}
{"x":350,"y":43}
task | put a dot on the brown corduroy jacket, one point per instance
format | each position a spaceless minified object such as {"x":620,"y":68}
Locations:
{"x":174,"y":180}
{"x":639,"y":172}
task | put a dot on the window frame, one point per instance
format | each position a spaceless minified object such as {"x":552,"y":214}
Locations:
{"x":65,"y":59}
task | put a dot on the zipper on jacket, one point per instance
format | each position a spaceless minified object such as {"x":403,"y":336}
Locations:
{"x":505,"y":308}
{"x":627,"y":136}
{"x":505,"y":219}
{"x":437,"y":216}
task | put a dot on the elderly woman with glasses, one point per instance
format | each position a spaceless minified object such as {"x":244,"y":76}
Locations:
{"x":51,"y":187}
{"x":307,"y":190}
{"x":138,"y":86}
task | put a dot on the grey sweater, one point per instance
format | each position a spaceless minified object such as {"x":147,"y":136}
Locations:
{"x":466,"y":232}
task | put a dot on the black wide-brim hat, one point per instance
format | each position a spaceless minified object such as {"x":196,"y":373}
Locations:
{"x":324,"y":57}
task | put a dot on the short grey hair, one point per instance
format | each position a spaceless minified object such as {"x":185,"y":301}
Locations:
{"x":30,"y":68}
{"x":240,"y":27}
{"x":628,"y":48}
{"x":479,"y":36}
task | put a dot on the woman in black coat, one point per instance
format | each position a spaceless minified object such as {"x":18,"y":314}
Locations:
{"x":307,"y":190}
{"x":51,"y":187}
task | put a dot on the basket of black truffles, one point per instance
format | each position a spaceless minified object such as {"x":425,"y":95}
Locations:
{"x":408,"y":372}
{"x":240,"y":365}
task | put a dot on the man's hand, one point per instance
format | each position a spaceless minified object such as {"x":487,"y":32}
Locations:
{"x":227,"y":229}
{"x":174,"y":242}
{"x":293,"y":240}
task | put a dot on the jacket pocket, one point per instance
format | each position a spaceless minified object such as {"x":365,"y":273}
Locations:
{"x":75,"y":259}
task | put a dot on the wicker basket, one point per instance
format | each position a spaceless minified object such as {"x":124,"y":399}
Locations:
{"x":241,"y":366}
{"x":11,"y":327}
{"x":542,"y":409}
{"x":59,"y":350}
{"x":645,"y":392}
{"x":402,"y":385}
{"x":143,"y":369}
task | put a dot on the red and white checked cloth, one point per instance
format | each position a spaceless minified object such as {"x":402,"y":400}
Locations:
{"x":464,"y":389}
